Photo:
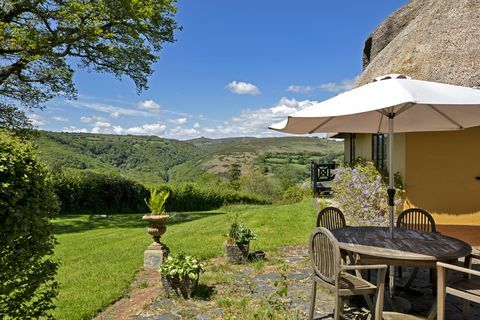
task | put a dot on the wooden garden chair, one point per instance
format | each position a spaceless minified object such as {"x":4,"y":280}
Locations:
{"x":331,"y":218}
{"x":467,"y":288}
{"x":420,"y":220}
{"x":329,"y":271}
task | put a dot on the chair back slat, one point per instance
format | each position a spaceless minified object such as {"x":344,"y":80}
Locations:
{"x":331,"y":218}
{"x":416,"y":219}
{"x":324,"y":254}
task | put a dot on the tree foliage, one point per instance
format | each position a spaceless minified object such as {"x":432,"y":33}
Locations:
{"x":40,"y":39}
{"x":27,"y":201}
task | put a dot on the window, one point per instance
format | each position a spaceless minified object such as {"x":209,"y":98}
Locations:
{"x":379,"y":151}
{"x":352,"y":148}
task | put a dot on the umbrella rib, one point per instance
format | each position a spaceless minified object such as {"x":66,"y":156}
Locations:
{"x":404,"y":108}
{"x":380,"y":123}
{"x":321,"y":124}
{"x":445,"y":116}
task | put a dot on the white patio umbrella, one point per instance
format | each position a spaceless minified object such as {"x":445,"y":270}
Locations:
{"x":392,"y":103}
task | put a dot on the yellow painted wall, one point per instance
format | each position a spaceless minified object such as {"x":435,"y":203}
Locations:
{"x":363,"y":146}
{"x":440,"y":172}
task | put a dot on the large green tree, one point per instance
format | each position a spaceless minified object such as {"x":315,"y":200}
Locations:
{"x":41,"y":40}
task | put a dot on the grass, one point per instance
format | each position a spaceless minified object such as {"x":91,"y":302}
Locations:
{"x":99,"y":256}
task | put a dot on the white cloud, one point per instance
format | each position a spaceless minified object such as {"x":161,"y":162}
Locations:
{"x":105,"y":127}
{"x":333,"y":87}
{"x":89,"y":119}
{"x":300,"y":89}
{"x":239,"y":87}
{"x":156,"y":129}
{"x":250,"y":122}
{"x":341,"y":86}
{"x":112,"y":111}
{"x":115,"y":115}
{"x":149,"y":105}
{"x":60,"y":119}
{"x":179,"y":121}
{"x":36,"y":120}
{"x":74,"y":129}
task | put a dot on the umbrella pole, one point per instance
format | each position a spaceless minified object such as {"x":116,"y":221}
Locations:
{"x":391,"y":195}
{"x":391,"y":188}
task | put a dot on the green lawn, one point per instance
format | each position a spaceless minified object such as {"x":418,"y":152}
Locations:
{"x":100,"y":256}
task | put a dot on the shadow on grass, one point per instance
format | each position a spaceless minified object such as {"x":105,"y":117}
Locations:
{"x":79,"y":223}
{"x":203,"y":292}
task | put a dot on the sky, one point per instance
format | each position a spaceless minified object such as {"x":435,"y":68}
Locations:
{"x":236,"y":67}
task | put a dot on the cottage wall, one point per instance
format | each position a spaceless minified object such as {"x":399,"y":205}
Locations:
{"x":441,"y":171}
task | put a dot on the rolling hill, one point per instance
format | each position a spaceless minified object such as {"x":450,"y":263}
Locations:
{"x":150,"y":159}
{"x":146,"y":159}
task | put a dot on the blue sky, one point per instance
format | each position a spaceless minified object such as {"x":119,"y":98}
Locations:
{"x":236,"y":67}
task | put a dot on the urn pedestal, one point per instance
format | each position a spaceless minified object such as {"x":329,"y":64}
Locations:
{"x":156,"y":251}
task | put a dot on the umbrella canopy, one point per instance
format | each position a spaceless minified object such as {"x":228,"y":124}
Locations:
{"x":416,"y":106}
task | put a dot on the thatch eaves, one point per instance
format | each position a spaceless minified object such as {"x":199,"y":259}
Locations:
{"x":435,"y":40}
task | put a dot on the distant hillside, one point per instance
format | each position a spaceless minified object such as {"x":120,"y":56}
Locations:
{"x":143,"y":158}
{"x":271,"y":156}
{"x":151,"y":160}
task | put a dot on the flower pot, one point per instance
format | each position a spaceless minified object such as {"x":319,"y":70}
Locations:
{"x":237,"y":253}
{"x":179,"y":286}
{"x":156,"y":226}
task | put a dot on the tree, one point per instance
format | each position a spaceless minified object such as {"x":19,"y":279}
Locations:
{"x":40,"y":39}
{"x":27,"y":202}
{"x":233,"y":175}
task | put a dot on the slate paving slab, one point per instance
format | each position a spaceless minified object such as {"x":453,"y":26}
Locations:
{"x":261,"y":287}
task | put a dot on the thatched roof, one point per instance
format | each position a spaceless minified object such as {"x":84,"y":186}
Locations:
{"x":427,"y":40}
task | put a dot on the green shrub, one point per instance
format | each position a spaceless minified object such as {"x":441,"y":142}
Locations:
{"x":27,"y":202}
{"x":293,"y":194}
{"x":253,"y":182}
{"x":87,"y":192}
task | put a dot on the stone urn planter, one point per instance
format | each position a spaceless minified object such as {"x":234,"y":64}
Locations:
{"x":237,"y":253}
{"x":156,"y":227}
{"x":157,"y":251}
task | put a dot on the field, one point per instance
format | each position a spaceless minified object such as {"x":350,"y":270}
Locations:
{"x":99,"y":256}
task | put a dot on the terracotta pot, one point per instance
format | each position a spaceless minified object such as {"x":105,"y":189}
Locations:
{"x":237,"y":253}
{"x":156,"y":226}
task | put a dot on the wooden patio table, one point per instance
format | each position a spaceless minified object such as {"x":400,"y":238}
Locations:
{"x":407,"y":248}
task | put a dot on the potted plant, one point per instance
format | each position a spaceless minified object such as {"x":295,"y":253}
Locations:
{"x":238,"y":242}
{"x":180,"y":274}
{"x":157,"y":217}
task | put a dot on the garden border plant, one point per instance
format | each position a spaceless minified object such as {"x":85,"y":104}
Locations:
{"x":180,"y":274}
{"x":238,"y":242}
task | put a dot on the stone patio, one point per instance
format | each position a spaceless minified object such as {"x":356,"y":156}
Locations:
{"x":251,"y":286}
